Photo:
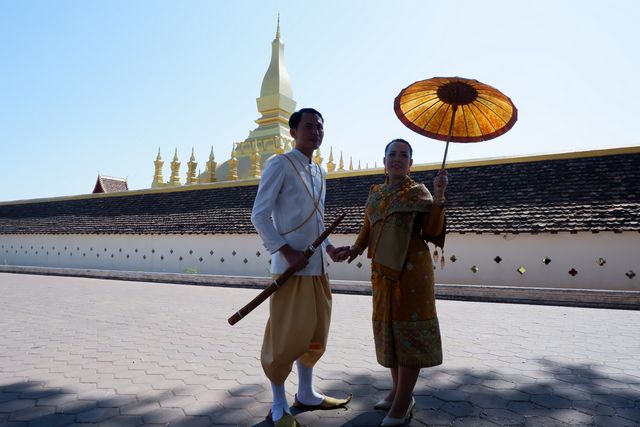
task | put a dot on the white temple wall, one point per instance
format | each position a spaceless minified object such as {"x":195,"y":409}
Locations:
{"x":244,"y":255}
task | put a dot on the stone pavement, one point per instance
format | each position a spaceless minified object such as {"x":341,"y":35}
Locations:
{"x":87,"y":352}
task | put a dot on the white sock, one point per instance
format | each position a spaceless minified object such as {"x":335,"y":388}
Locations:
{"x":306,"y":393}
{"x":280,"y":404}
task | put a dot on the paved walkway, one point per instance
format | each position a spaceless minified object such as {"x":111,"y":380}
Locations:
{"x":87,"y":352}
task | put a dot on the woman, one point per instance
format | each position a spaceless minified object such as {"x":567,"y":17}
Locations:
{"x":401,"y":216}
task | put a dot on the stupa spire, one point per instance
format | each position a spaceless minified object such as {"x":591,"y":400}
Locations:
{"x":275,"y":103}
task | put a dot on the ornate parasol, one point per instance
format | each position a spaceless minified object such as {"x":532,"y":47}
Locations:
{"x":455,"y":109}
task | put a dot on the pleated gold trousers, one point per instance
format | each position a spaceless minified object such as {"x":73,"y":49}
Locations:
{"x":298,"y":326}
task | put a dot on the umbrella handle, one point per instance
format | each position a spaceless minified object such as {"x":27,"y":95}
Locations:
{"x":446,"y":148}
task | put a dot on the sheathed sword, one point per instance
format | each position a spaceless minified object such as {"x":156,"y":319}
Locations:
{"x":275,"y":285}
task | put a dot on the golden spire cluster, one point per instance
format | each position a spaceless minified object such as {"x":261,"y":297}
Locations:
{"x":192,"y":177}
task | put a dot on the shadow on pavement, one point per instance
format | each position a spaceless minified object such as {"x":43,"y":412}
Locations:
{"x":548,"y":393}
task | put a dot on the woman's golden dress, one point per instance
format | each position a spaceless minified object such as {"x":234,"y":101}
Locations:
{"x":398,"y":222}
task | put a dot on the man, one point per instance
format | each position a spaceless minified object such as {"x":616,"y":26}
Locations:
{"x":288,"y":214}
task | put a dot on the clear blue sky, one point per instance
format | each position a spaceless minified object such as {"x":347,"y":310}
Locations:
{"x":98,"y":86}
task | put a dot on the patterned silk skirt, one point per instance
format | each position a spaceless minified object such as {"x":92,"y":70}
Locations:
{"x":405,"y":323}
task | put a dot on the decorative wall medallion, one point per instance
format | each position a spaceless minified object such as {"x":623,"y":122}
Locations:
{"x":190,"y":252}
{"x":521,"y":269}
{"x":601,"y":261}
{"x":127,"y":256}
{"x":210,"y":252}
{"x":161,"y":257}
{"x":153,"y":251}
{"x":258,"y":253}
{"x":97,"y":255}
{"x":221,"y":259}
{"x":573,"y":272}
{"x":453,"y":258}
{"x":200,"y":259}
{"x":170,"y":251}
{"x":144,"y":257}
{"x":135,"y":250}
{"x":630,"y":274}
{"x":474,"y":268}
{"x":111,"y":255}
{"x":105,"y":249}
{"x":233,"y":253}
{"x":180,"y":259}
{"x":359,"y":264}
{"x":546,"y":260}
{"x":497,"y":259}
{"x":245,"y":260}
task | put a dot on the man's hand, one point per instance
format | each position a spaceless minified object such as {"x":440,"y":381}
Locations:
{"x":295,"y":259}
{"x":338,"y":254}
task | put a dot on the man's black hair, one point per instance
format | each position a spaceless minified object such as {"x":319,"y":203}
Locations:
{"x":295,"y":118}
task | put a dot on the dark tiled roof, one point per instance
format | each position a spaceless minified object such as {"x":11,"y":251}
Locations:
{"x":599,"y":193}
{"x":105,"y":184}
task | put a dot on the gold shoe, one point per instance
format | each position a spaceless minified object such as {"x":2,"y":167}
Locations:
{"x":287,"y":420}
{"x":327,"y":403}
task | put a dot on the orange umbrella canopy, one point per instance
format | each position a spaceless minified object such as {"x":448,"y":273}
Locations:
{"x":479,"y":112}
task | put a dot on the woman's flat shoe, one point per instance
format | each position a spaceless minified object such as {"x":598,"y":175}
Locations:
{"x":390,"y":421}
{"x":383,"y":405}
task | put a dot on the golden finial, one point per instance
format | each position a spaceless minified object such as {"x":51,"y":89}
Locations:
{"x":350,"y":163}
{"x":174,"y":179}
{"x":341,"y":163}
{"x":157,"y":176}
{"x":191,"y":169}
{"x":211,"y":168}
{"x":255,"y":162}
{"x":278,"y":28}
{"x":233,"y":165}
{"x":331,"y":167}
{"x":317,"y":159}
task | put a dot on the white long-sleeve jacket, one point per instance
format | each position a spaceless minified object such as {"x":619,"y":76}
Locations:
{"x":286,"y":198}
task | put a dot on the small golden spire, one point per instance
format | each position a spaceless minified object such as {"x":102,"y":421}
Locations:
{"x":255,"y":162}
{"x":174,"y":179}
{"x":233,"y":166}
{"x":341,"y":163}
{"x":331,"y":167}
{"x":350,"y":163}
{"x":211,"y":168}
{"x":279,"y":143}
{"x":317,"y":159}
{"x":191,"y":169}
{"x":157,"y":176}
